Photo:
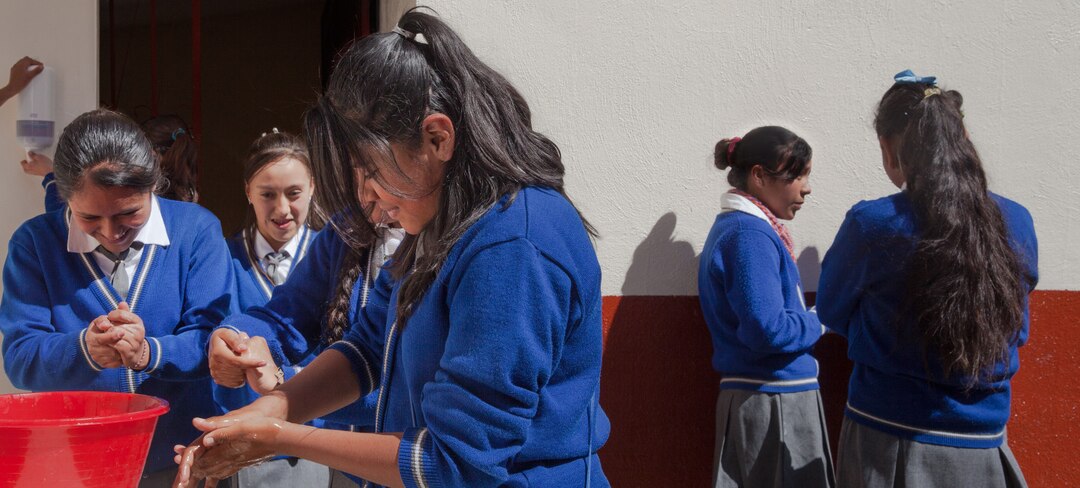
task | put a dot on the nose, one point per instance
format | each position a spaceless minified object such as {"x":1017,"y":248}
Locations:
{"x":806,"y":190}
{"x":111,"y":229}
{"x":281,"y":206}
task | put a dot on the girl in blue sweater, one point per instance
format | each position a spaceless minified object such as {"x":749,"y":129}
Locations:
{"x":930,"y":286}
{"x":770,"y":426}
{"x":487,"y":351}
{"x":117,"y":291}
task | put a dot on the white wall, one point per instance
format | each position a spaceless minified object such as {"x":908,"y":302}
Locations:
{"x":62,"y":34}
{"x":637,"y":93}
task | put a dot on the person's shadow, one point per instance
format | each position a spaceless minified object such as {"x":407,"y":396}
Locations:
{"x":658,"y":387}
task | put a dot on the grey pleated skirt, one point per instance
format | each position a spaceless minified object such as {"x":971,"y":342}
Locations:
{"x":870,"y":458}
{"x":771,"y":440}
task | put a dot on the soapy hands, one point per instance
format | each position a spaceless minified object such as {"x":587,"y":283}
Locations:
{"x":118,"y":339}
{"x":231,"y":442}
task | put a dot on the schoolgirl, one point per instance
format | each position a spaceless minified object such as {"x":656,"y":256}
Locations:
{"x":930,"y":286}
{"x":770,"y":426}
{"x":315,"y":301}
{"x":118,"y":290}
{"x":487,"y":351}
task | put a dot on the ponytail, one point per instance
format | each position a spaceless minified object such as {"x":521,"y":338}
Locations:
{"x":965,"y":282}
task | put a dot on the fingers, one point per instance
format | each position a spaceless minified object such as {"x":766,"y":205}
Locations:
{"x":237,"y":343}
{"x":124,"y":316}
{"x":186,"y":458}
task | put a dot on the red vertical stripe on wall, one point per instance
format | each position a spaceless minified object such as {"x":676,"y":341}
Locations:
{"x":153,"y":59}
{"x":196,"y":68}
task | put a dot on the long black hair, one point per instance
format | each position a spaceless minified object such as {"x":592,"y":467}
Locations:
{"x":966,"y":285}
{"x":108,"y":149}
{"x":780,"y":152}
{"x":381,"y":90}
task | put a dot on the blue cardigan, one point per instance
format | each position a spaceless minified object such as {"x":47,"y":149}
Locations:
{"x":292,"y":320}
{"x":752,"y":301}
{"x":862,"y":296}
{"x":494,"y":379}
{"x":254,"y":288}
{"x":51,"y":295}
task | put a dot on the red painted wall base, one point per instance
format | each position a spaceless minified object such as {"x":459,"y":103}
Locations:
{"x":659,"y":390}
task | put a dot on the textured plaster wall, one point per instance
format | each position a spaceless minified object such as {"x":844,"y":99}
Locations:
{"x":62,"y":34}
{"x":637,"y":93}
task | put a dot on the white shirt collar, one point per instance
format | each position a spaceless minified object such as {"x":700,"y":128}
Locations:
{"x":730,"y":202}
{"x":152,"y":232}
{"x":262,"y":246}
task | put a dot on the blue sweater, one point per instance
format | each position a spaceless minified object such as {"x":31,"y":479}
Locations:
{"x":253,"y":286}
{"x":292,"y":320}
{"x":494,"y":379}
{"x":862,"y":295}
{"x":752,"y":301}
{"x":52,"y":295}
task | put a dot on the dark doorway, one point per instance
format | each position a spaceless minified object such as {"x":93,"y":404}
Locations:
{"x":258,"y":65}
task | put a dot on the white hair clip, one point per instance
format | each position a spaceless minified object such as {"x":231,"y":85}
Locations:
{"x":272,"y":131}
{"x":412,"y":36}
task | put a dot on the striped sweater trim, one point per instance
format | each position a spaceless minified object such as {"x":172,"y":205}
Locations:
{"x":929,"y":432}
{"x":353,"y":351}
{"x":752,"y":381}
{"x":86,"y":352}
{"x":415,"y":462}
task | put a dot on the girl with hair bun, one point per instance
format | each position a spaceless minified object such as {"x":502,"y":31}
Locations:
{"x":770,"y":425}
{"x":119,"y":289}
{"x":483,"y":337}
{"x":930,"y":286}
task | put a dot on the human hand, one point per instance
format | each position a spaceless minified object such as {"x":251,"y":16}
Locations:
{"x":228,"y":364}
{"x":100,"y":341}
{"x":36,"y":164}
{"x":132,"y":347}
{"x":241,"y":438}
{"x":22,"y":72}
{"x":264,"y":378}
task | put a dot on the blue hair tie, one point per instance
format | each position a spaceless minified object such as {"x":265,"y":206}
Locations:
{"x":906,"y":77}
{"x":176,"y":133}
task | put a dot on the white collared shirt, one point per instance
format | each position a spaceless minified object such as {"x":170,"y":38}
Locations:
{"x":262,"y":248}
{"x":385,"y":246}
{"x":730,"y":202}
{"x":152,"y":232}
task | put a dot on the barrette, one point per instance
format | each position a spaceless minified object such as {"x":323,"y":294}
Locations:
{"x":412,"y":36}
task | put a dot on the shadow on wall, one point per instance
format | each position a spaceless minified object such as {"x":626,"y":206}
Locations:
{"x":662,"y":263}
{"x":658,"y":387}
{"x":809,"y":264}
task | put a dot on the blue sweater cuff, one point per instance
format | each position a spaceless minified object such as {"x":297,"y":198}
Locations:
{"x":86,"y":352}
{"x":415,"y":461}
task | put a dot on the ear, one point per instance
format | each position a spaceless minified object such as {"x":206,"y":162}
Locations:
{"x":437,"y":136}
{"x":888,"y":154}
{"x":757,"y":176}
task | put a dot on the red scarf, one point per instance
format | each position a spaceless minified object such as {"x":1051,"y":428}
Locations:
{"x":782,"y":231}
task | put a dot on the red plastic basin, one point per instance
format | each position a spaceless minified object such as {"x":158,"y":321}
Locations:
{"x":76,"y":438}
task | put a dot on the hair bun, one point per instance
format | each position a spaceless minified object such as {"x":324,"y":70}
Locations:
{"x":722,"y":154}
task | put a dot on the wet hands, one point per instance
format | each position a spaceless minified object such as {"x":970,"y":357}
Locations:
{"x":262,"y":379}
{"x":231,"y":360}
{"x":231,"y":442}
{"x":118,"y":339}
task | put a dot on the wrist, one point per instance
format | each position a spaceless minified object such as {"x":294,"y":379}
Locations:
{"x":144,"y":356}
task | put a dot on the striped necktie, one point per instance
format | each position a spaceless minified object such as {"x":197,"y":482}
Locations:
{"x":119,"y":276}
{"x":273,"y":266}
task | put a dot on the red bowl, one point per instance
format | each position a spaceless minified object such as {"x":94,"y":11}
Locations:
{"x":76,"y":438}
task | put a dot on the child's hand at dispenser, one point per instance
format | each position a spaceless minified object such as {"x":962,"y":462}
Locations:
{"x":22,"y":72}
{"x":36,"y":164}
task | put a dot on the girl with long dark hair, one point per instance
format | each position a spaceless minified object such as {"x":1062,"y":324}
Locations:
{"x":119,"y":289}
{"x":487,"y":350}
{"x":930,"y":287}
{"x":323,"y":285}
{"x":770,"y":425}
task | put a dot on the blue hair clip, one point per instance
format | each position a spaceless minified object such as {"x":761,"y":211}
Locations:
{"x":176,"y":133}
{"x":907,"y":77}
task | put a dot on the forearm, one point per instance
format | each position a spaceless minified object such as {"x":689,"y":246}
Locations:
{"x":323,"y":386}
{"x":5,"y":93}
{"x":372,"y":457}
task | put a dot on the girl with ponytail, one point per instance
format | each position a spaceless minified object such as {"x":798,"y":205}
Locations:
{"x":770,"y":425}
{"x":279,"y":289}
{"x":483,"y":337}
{"x":930,"y":287}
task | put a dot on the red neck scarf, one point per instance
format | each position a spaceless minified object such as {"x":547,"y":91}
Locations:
{"x":782,"y":231}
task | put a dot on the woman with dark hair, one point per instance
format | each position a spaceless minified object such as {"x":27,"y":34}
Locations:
{"x":317,"y":299}
{"x":171,"y":141}
{"x":930,"y":286}
{"x":118,"y":290}
{"x":770,"y":425}
{"x":487,"y":351}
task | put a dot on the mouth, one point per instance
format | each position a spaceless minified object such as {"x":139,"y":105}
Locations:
{"x":281,"y":224}
{"x":120,"y":239}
